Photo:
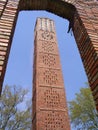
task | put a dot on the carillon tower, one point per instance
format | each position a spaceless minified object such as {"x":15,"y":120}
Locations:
{"x":49,"y":103}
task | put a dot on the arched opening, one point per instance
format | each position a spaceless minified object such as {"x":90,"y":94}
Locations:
{"x":19,"y":70}
{"x":21,"y":54}
{"x":61,"y":8}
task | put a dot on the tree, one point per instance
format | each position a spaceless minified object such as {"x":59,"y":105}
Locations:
{"x":12,"y":116}
{"x":83,"y":112}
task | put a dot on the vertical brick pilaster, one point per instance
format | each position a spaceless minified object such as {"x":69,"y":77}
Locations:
{"x":8,"y":17}
{"x":49,"y":104}
{"x":86,"y":35}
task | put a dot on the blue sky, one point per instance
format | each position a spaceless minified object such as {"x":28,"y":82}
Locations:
{"x":20,"y":65}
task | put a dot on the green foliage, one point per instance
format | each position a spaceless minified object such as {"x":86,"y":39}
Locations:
{"x":12,"y":117}
{"x":83,"y":112}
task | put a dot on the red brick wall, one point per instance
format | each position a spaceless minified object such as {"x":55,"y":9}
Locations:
{"x":8,"y":17}
{"x":86,"y":34}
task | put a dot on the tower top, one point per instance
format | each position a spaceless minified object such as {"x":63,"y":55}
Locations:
{"x":45,"y":24}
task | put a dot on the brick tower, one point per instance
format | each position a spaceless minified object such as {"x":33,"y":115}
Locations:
{"x":49,"y":104}
{"x":83,"y":18}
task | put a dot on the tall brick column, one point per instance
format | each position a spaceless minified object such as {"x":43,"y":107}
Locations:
{"x":8,"y":16}
{"x":49,"y":102}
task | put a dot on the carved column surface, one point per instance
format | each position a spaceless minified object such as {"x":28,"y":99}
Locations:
{"x":8,"y":15}
{"x":49,"y":104}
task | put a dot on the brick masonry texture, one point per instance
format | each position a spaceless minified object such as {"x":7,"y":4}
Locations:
{"x":85,"y":30}
{"x":83,"y":18}
{"x":8,"y":15}
{"x":49,"y":104}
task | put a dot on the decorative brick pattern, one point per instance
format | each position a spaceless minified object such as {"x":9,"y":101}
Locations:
{"x":51,"y":108}
{"x":51,"y":97}
{"x":50,"y":77}
{"x":48,"y":60}
{"x":47,"y":47}
{"x":52,"y":120}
